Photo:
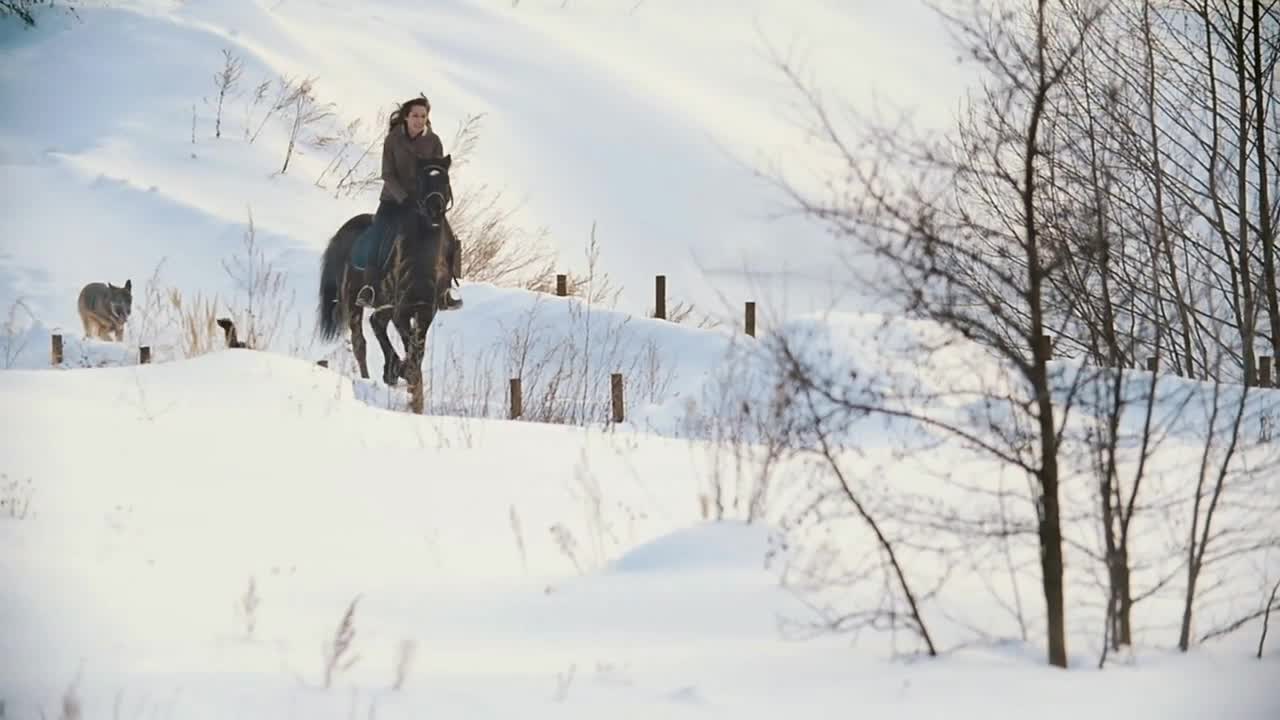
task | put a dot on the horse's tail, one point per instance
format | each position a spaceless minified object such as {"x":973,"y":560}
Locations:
{"x":330,"y":310}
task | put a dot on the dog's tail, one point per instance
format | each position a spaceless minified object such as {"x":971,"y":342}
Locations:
{"x":330,"y":311}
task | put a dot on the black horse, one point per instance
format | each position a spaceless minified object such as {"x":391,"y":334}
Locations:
{"x":415,"y":275}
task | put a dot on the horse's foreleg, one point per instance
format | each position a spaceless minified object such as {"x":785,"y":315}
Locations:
{"x":412,"y":341}
{"x":413,"y":330}
{"x":390,"y":361}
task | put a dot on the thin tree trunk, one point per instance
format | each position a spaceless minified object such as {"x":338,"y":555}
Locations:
{"x":1242,"y":198}
{"x":1110,"y":334}
{"x":1106,"y":492}
{"x":1266,"y":618}
{"x":1265,"y":229}
{"x":1050,"y":530}
{"x":1196,"y":551}
{"x":1193,"y":568}
{"x":1126,"y":511}
{"x":829,"y":454}
{"x":1157,"y":176}
{"x":1238,"y":282}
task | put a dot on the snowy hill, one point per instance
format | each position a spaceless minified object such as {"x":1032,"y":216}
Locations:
{"x":591,"y":114}
{"x":184,"y":538}
{"x":246,"y":533}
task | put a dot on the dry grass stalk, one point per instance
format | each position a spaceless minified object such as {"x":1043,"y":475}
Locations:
{"x":404,"y":661}
{"x":339,"y":655}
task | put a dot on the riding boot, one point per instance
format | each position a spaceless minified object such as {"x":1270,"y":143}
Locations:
{"x":450,"y":299}
{"x":385,"y":220}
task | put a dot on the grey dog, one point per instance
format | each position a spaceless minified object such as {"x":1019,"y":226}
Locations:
{"x":104,"y":309}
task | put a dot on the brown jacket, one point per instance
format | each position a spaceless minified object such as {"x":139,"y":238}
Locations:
{"x":399,"y":161}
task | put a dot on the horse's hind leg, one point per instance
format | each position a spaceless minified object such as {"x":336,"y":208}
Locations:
{"x":355,"y":316}
{"x":390,"y":361}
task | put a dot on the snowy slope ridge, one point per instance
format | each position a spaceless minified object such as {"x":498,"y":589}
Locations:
{"x":189,"y":535}
{"x":563,"y":349}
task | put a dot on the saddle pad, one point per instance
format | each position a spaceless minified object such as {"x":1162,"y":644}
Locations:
{"x":371,"y":247}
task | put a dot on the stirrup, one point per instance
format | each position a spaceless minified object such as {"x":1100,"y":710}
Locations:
{"x":364,"y":297}
{"x":450,"y":300}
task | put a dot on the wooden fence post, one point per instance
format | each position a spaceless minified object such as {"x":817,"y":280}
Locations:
{"x":1264,"y":371}
{"x":562,"y":285}
{"x":615,"y":383}
{"x":751,"y":318}
{"x":144,"y":355}
{"x":55,"y":352}
{"x":660,"y":297}
{"x":517,"y":399}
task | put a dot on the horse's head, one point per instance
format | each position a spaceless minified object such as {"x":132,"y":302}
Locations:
{"x":435,"y":194}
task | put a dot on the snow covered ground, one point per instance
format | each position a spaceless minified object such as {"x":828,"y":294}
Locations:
{"x":535,"y":570}
{"x":182,"y":539}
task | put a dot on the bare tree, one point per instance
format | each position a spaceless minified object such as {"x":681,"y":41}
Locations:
{"x":1212,"y":110}
{"x":1266,"y":616}
{"x":1262,"y":67}
{"x":25,"y":10}
{"x":256,"y":97}
{"x":1119,"y":505}
{"x":261,"y":302}
{"x":13,"y":333}
{"x":307,"y":112}
{"x":819,"y":419}
{"x":350,"y":138}
{"x":286,"y":92}
{"x":1163,"y":187}
{"x":465,"y":140}
{"x":959,"y":234}
{"x":1100,"y":201}
{"x":226,"y":80}
{"x":339,"y":653}
{"x":1232,"y":510}
{"x":496,"y":248}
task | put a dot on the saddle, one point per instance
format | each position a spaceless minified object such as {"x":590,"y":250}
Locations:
{"x":372,"y":249}
{"x":373,"y":246}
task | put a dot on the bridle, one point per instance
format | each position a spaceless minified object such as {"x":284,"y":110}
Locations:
{"x":446,"y":199}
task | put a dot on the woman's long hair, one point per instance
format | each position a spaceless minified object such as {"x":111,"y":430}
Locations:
{"x":399,"y":115}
